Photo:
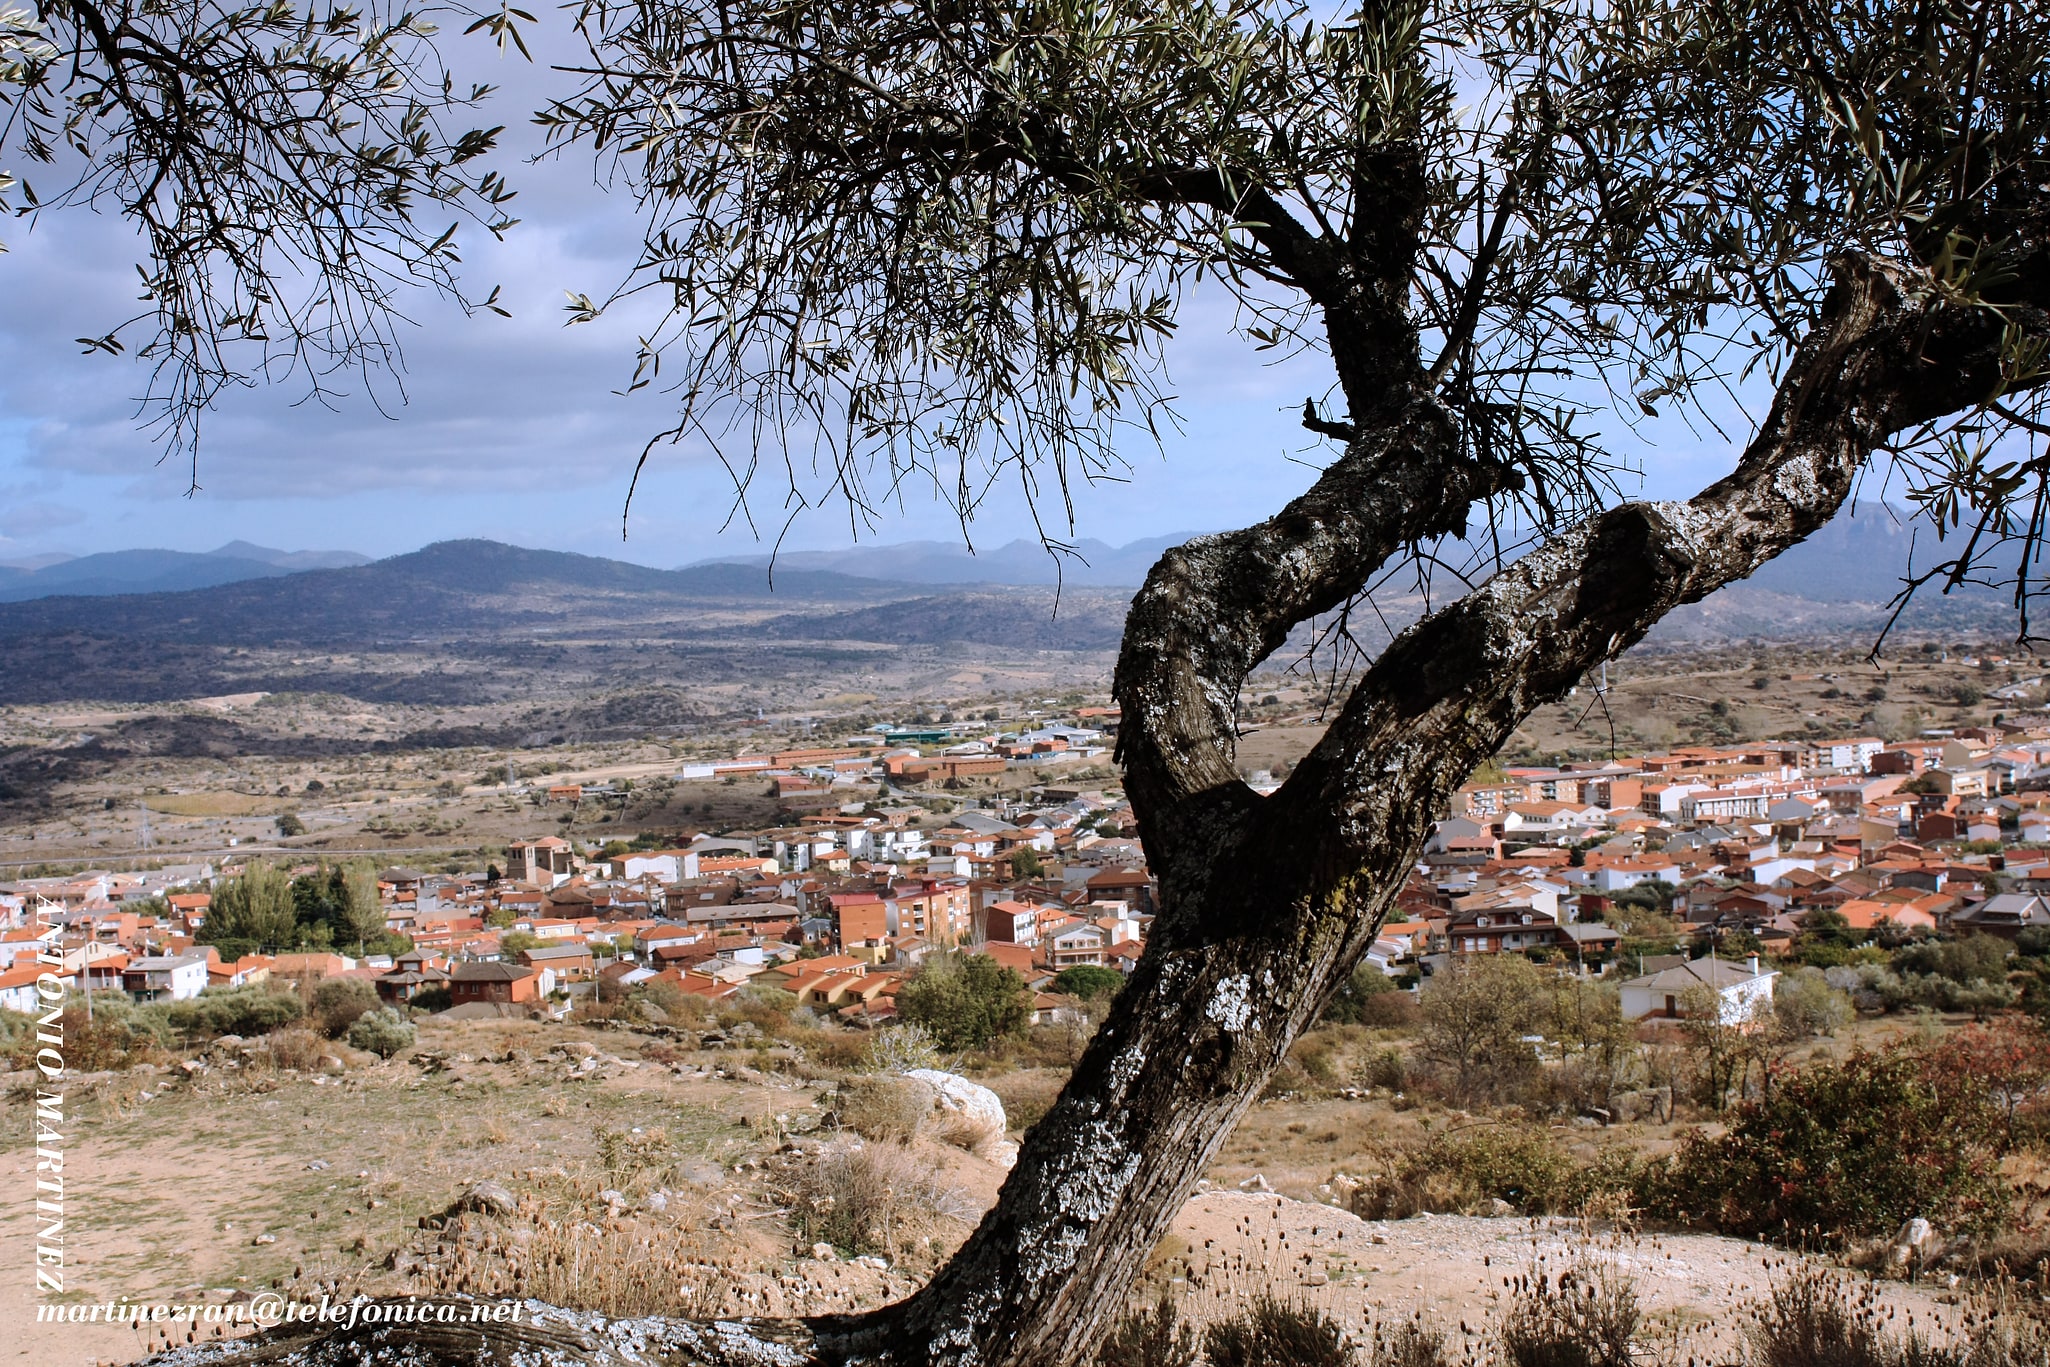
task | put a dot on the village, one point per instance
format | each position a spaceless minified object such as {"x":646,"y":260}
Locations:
{"x":1697,"y":867}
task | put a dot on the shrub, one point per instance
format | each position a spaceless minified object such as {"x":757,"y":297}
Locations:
{"x":299,"y":1049}
{"x":1581,"y":1318}
{"x":338,"y":1002}
{"x":1089,"y":981}
{"x":383,"y":1032}
{"x":1145,"y":1337}
{"x":1389,"y":1011}
{"x":901,"y":1048}
{"x":1412,"y":1343}
{"x":113,"y":1040}
{"x":1458,"y":1173}
{"x":1839,"y":1150}
{"x":966,"y":1002}
{"x":1385,"y":1068}
{"x":881,"y":1106}
{"x":1272,"y":1332}
{"x":1803,"y":1004}
{"x":871,"y":1199}
{"x":1348,"y":1004}
{"x":233,"y":1011}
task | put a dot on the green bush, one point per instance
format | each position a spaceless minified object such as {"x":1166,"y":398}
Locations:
{"x":1463,"y":1172}
{"x":1348,"y":1005}
{"x":338,"y":1002}
{"x":383,"y":1032}
{"x":1089,"y":981}
{"x":1840,"y":1150}
{"x":966,"y":1001}
{"x":233,"y":1011}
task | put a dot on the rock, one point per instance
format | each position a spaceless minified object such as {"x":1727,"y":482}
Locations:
{"x":953,"y":1092}
{"x":824,"y":1253}
{"x":1501,"y":1209}
{"x":659,"y":1202}
{"x":317,"y":1165}
{"x":1257,"y":1182}
{"x":1004,"y":1153}
{"x":488,"y":1198}
{"x":612,"y":1198}
{"x":1914,"y":1247}
{"x":1316,"y":1278}
{"x":264,"y":1239}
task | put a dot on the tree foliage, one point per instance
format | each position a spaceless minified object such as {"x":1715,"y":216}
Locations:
{"x":965,"y":1001}
{"x":1842,"y":1149}
{"x":1476,"y":1012}
{"x":292,"y":168}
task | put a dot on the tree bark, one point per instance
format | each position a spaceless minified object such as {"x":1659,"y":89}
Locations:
{"x":1266,"y":904}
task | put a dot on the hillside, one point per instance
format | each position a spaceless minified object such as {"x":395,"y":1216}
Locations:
{"x":160,"y":571}
{"x":464,"y":621}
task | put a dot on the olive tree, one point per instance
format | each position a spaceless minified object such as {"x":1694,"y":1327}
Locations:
{"x":945,"y":242}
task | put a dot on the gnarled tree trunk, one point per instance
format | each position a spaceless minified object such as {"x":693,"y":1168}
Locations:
{"x":1266,"y":904}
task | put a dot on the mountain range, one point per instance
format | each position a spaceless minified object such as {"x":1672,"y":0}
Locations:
{"x":1088,"y":563}
{"x":501,"y":610}
{"x":159,"y":571}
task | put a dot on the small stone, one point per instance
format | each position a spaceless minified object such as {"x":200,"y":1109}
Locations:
{"x":487,"y":1197}
{"x":317,"y":1165}
{"x":1257,"y":1182}
{"x":824,"y":1253}
{"x":659,"y":1202}
{"x":264,"y":1239}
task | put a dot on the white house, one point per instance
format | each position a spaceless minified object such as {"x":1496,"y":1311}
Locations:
{"x":173,"y":978}
{"x":665,"y":866}
{"x":1745,"y":990}
{"x":18,"y":989}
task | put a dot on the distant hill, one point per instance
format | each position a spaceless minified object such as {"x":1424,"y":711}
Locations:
{"x":158,"y":571}
{"x":1086,"y":619}
{"x":1025,"y":563}
{"x":465,"y":619}
{"x":451,"y":588}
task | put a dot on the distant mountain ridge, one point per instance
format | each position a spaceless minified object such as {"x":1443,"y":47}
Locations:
{"x":506,"y":611}
{"x":1021,"y":563}
{"x":1856,"y":558}
{"x":160,"y":571}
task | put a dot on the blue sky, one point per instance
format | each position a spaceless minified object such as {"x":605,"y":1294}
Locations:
{"x":510,"y":429}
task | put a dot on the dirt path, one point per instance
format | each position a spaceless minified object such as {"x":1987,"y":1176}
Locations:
{"x":1695,"y":1289}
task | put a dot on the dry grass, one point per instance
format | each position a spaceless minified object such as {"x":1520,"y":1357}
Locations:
{"x":870,"y":1198}
{"x":1586,"y":1316}
{"x":584,"y":1266}
{"x":881,"y":1106}
{"x":1816,"y":1319}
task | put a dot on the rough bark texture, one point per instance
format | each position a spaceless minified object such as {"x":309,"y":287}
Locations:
{"x":1267,"y":904}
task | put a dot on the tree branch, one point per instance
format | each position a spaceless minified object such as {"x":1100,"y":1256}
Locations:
{"x":1215,"y":607}
{"x":1451,"y":690}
